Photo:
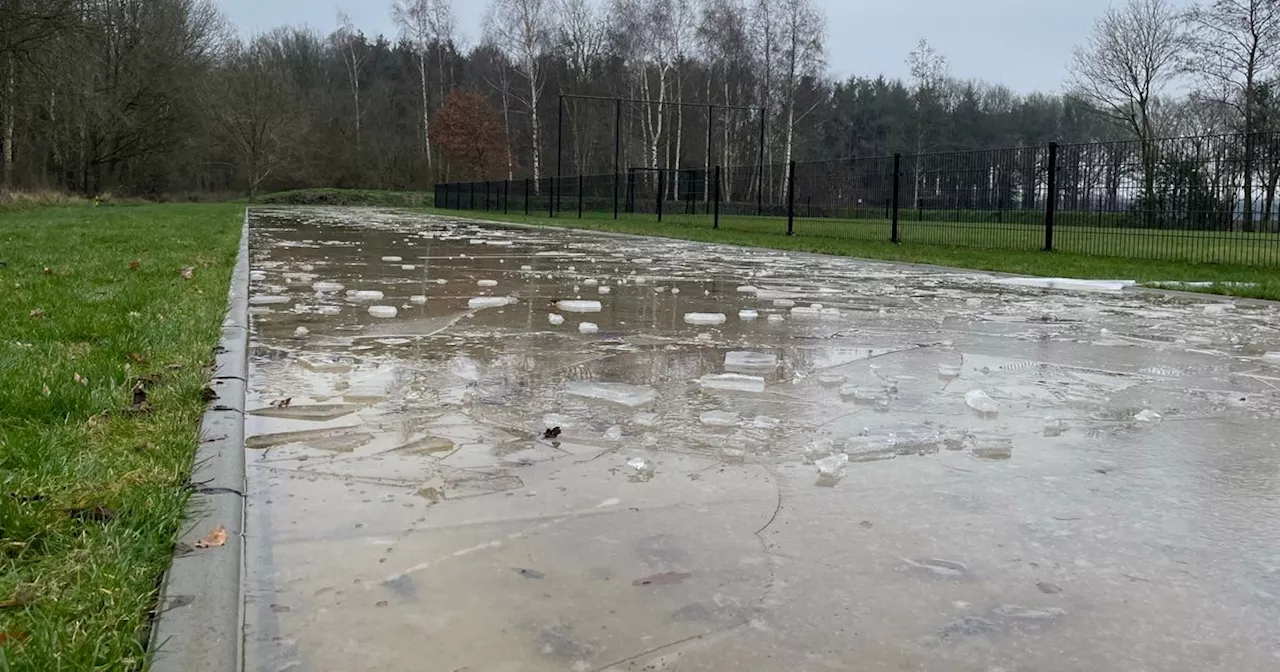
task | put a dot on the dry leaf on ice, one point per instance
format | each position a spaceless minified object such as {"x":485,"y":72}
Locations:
{"x":217,"y":537}
{"x":135,"y":264}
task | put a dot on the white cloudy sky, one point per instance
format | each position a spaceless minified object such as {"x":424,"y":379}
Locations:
{"x":1024,"y":44}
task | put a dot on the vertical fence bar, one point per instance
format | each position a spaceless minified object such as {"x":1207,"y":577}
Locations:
{"x":617,"y":150}
{"x":1051,"y":203}
{"x":715,"y":222}
{"x":897,"y":183}
{"x":473,"y":196}
{"x":551,"y":197}
{"x":662,"y":188}
{"x":486,"y":195}
{"x":791,"y":198}
{"x":760,"y":168}
{"x":579,"y":195}
{"x":527,"y":184}
{"x":506,"y":195}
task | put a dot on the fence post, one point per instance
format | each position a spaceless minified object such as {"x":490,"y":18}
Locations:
{"x":486,"y":195}
{"x":716,"y":199}
{"x":791,"y":198}
{"x":579,"y":195}
{"x":506,"y":195}
{"x":551,"y":196}
{"x":526,"y":195}
{"x":662,"y":190}
{"x":1051,"y":203}
{"x":473,"y":196}
{"x":897,"y":181}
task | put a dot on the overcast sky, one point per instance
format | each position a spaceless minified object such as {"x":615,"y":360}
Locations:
{"x":1023,"y":44}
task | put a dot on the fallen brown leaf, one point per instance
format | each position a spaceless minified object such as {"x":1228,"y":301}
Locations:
{"x":20,"y":597}
{"x":38,"y":312}
{"x":135,"y":264}
{"x":218,"y":537}
{"x":187,"y":272}
{"x":96,"y":514}
{"x":207,"y":394}
{"x":281,"y":403}
{"x":8,"y":637}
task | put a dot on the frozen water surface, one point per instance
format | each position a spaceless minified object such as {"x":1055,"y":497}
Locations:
{"x":409,"y":509}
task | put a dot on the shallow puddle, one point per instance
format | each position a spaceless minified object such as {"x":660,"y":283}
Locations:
{"x":753,"y":460}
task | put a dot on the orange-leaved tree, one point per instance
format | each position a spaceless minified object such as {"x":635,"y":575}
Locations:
{"x":471,"y":134}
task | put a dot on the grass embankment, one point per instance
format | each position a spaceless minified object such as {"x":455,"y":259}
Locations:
{"x":91,"y":490}
{"x":379,"y":197}
{"x":817,"y":235}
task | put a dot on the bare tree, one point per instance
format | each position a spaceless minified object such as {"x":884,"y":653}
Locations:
{"x":1233,"y":48}
{"x":522,"y":29}
{"x":255,"y":106}
{"x":929,"y":73}
{"x":425,"y":24}
{"x":1132,"y":54}
{"x":349,"y":42}
{"x":580,"y":43}
{"x":801,"y":55}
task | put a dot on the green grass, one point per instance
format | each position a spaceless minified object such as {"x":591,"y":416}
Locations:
{"x":380,"y":197}
{"x":925,"y":243}
{"x":91,"y":495}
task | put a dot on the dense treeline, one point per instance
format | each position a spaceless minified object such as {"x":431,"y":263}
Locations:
{"x":156,"y":97}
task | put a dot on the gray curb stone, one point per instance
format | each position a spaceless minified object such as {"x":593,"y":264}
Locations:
{"x":199,"y":616}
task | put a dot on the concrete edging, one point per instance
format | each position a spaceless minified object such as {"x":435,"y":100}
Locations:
{"x":199,"y":615}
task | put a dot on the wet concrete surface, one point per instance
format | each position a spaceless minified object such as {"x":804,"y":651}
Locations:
{"x":1117,"y":510}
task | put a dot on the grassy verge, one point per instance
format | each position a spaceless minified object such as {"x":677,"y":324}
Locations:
{"x":382,"y":197}
{"x":92,"y":492}
{"x":750,"y":231}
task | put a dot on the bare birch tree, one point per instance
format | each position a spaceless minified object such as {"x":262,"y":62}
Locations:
{"x":425,"y":24}
{"x":802,"y":55}
{"x":1133,"y":53}
{"x":1233,"y":49}
{"x":353,"y":57}
{"x":523,"y":30}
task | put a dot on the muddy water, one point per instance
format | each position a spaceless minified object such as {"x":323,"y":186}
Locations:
{"x":1117,"y":511}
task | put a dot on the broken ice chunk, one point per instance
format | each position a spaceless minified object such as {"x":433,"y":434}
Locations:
{"x":572,"y":306}
{"x":817,"y":449}
{"x":588,"y":327}
{"x":480,"y":302}
{"x":418,"y":299}
{"x":775,"y":318}
{"x":1217,"y":308}
{"x":267,"y":299}
{"x":747,"y":289}
{"x":367,"y":295}
{"x":745,"y":314}
{"x":1054,"y":426}
{"x":765,"y":422}
{"x":327,"y":286}
{"x":733,"y":454}
{"x":486,"y":283}
{"x":603,"y":289}
{"x":704,"y":318}
{"x":861,"y":394}
{"x":981,"y":402}
{"x":257,"y":275}
{"x":1147,"y":415}
{"x":625,"y":394}
{"x":328,"y":310}
{"x":614,"y":433}
{"x":830,"y":379}
{"x":301,"y":332}
{"x":555,"y":318}
{"x":739,"y":360}
{"x":645,"y":419}
{"x":392,"y":258}
{"x":831,"y":469}
{"x":382,"y":311}
{"x":990,"y":447}
{"x":591,"y":282}
{"x":732,"y":381}
{"x":407,"y":267}
{"x":719,"y":419}
{"x":526,"y":267}
{"x":639,"y":469}
{"x":830,"y":312}
{"x":948,"y":371}
{"x":783,"y":303}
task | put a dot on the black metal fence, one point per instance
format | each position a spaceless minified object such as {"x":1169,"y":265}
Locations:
{"x":1206,"y":199}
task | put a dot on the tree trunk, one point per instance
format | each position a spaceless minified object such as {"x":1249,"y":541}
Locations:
{"x":9,"y":122}
{"x":533,"y":121}
{"x":426,"y":112}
